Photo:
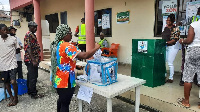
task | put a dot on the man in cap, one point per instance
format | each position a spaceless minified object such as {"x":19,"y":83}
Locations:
{"x":32,"y":59}
{"x":197,"y":17}
{"x":12,"y":31}
{"x":81,"y":34}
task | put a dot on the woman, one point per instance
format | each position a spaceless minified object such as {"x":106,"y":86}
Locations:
{"x":170,"y":34}
{"x":63,"y":62}
{"x":192,"y":60}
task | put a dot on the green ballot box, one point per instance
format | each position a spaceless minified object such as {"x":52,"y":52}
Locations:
{"x":148,"y":61}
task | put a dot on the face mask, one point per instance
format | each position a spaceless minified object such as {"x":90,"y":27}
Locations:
{"x":198,"y":16}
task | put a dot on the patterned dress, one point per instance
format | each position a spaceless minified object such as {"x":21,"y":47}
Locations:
{"x":66,"y":64}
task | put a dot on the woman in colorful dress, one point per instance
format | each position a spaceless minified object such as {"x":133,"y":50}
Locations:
{"x":63,"y":63}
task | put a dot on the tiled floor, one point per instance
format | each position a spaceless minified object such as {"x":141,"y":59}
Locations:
{"x":169,"y":92}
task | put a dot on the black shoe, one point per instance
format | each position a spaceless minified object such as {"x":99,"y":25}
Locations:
{"x":37,"y":96}
{"x":181,"y":83}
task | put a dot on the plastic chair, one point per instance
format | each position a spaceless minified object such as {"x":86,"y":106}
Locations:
{"x":112,"y":50}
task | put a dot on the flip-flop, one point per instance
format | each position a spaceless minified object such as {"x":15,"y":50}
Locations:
{"x":10,"y":102}
{"x":180,"y":102}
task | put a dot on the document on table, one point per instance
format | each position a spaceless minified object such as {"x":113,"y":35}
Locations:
{"x":85,"y":93}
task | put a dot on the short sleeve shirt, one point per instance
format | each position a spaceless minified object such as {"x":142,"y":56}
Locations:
{"x":30,"y":41}
{"x":66,"y":64}
{"x":8,"y":53}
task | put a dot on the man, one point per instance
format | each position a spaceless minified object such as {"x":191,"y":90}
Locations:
{"x":81,"y":34}
{"x":32,"y":59}
{"x":12,"y":31}
{"x":197,"y":17}
{"x":103,"y":42}
{"x":8,"y":63}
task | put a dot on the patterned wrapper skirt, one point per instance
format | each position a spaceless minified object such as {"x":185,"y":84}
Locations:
{"x":192,"y":63}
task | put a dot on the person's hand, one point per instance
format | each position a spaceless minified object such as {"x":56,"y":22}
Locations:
{"x":181,"y":41}
{"x":35,"y":63}
{"x":97,"y":46}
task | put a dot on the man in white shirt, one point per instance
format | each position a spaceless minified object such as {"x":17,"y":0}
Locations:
{"x":12,"y":31}
{"x":8,"y":63}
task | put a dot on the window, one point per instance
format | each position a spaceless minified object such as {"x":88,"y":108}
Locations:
{"x":63,"y":17}
{"x":180,"y":15}
{"x":53,"y":22}
{"x":103,"y":22}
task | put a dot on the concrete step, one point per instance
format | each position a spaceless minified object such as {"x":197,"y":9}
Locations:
{"x":46,"y":53}
{"x":43,"y":65}
{"x":47,"y":59}
{"x":46,"y":50}
{"x":47,"y":56}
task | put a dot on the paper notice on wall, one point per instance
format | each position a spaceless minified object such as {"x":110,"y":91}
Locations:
{"x":85,"y":93}
{"x":182,"y":30}
{"x":142,"y":46}
{"x":105,"y":21}
{"x":164,"y":22}
{"x":191,"y":10}
{"x":123,"y":17}
{"x":187,"y":29}
{"x":99,"y":23}
{"x":169,"y":7}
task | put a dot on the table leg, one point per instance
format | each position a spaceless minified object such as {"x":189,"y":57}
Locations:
{"x":109,"y":105}
{"x":80,"y":106}
{"x":137,"y":98}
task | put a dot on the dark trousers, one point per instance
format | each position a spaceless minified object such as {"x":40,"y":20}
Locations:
{"x":65,"y":96}
{"x":19,"y":70}
{"x":32,"y":76}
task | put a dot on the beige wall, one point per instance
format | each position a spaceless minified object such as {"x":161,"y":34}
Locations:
{"x":7,"y":23}
{"x":21,"y":31}
{"x":142,"y":17}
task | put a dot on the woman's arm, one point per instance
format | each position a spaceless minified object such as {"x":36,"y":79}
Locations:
{"x":171,"y":42}
{"x":88,"y":54}
{"x":189,"y":38}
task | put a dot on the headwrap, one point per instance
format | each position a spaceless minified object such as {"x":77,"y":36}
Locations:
{"x":61,"y":31}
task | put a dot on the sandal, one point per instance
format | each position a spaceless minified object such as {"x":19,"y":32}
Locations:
{"x":180,"y":101}
{"x":10,"y":102}
{"x":37,"y":96}
{"x":199,"y":105}
{"x":13,"y":103}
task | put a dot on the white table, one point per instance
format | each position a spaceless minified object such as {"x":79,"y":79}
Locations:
{"x":125,"y":83}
